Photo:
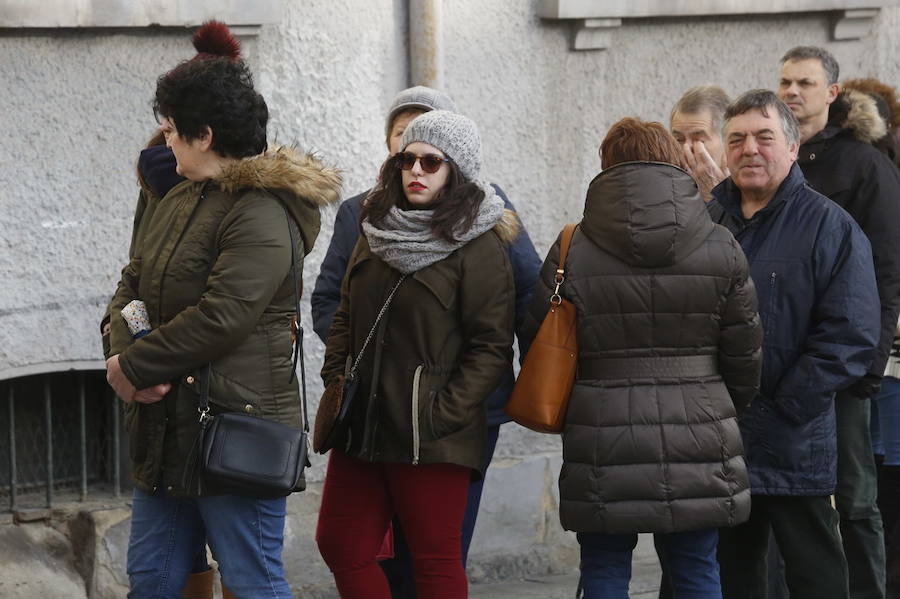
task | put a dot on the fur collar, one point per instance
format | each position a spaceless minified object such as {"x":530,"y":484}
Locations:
{"x":283,"y":168}
{"x":507,"y":228}
{"x":857,"y":113}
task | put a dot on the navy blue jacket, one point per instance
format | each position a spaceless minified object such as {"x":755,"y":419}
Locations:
{"x":818,"y":300}
{"x":327,"y":293}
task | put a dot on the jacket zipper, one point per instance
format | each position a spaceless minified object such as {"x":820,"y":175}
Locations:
{"x":415,"y":412}
{"x":773,"y":280}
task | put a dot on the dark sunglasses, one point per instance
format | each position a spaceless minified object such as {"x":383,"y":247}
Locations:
{"x":430,"y":162}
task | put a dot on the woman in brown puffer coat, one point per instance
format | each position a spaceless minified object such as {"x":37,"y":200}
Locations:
{"x":669,"y":351}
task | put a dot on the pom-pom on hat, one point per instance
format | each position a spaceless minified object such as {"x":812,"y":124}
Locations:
{"x":451,"y":133}
{"x":420,"y":97}
{"x":215,"y":40}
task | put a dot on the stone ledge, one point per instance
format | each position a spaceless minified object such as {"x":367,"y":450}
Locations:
{"x":596,"y":19}
{"x":137,"y":13}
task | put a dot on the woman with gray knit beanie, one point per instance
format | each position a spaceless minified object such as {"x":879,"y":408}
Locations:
{"x":432,"y":261}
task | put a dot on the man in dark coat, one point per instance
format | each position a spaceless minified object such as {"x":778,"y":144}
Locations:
{"x":839,"y":161}
{"x":326,"y":296}
{"x":819,"y":305}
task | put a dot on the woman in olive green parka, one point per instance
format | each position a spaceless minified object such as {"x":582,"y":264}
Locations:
{"x":212,"y":264}
{"x":214,"y":272}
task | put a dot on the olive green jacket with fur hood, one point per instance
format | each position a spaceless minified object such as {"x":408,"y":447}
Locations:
{"x":442,"y":347}
{"x":213,"y":267}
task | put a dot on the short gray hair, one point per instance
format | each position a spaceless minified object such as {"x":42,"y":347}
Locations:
{"x":703,"y":97}
{"x":762,"y":100}
{"x":829,"y":63}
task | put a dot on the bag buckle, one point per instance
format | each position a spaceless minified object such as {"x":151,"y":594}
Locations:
{"x":204,"y":416}
{"x":556,"y":298}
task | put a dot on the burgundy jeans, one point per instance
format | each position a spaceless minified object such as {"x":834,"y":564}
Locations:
{"x":358,"y":502}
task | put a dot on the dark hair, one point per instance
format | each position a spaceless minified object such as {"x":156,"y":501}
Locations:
{"x":217,"y":93}
{"x":455,"y":206}
{"x":762,"y":100}
{"x":632,"y":140}
{"x":703,"y":97}
{"x":826,"y":58}
{"x":412,"y":109}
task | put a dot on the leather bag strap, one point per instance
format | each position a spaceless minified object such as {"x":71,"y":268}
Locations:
{"x":567,"y":233}
{"x":560,"y":277}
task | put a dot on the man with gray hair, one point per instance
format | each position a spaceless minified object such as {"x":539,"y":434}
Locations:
{"x":819,"y":307}
{"x":696,"y":123}
{"x":839,"y":161}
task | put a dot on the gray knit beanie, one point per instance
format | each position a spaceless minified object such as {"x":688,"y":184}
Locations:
{"x":451,"y":133}
{"x":421,"y":97}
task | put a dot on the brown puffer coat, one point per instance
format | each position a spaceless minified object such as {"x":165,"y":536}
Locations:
{"x":669,"y":350}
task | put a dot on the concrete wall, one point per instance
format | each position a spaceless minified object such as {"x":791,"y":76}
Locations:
{"x":74,"y":105}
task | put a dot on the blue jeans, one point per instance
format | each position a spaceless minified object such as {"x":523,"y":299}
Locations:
{"x":246,"y":536}
{"x":688,"y":558}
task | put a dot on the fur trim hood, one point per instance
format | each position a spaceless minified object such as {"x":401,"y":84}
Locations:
{"x":507,"y":228}
{"x":284,"y":169}
{"x":300,"y":181}
{"x":857,"y":113}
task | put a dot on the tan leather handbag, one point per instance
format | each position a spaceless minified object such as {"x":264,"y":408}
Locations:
{"x":541,"y":395}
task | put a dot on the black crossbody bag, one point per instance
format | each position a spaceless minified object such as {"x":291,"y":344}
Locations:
{"x":332,"y":417}
{"x":240,"y":454}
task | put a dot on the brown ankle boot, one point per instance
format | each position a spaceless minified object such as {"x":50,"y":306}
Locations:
{"x":199,"y":586}
{"x":226,"y":594}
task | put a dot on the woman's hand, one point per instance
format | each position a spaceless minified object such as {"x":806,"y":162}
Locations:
{"x":124,"y":389}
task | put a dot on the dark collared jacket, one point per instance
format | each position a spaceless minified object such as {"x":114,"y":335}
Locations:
{"x":327,"y":293}
{"x":818,"y":301}
{"x":441,"y":348}
{"x":841,"y":163}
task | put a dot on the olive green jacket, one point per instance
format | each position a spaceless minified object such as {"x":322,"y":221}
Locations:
{"x":442,"y":347}
{"x":212,"y":264}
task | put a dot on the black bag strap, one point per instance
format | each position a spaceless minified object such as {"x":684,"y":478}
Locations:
{"x":384,"y":308}
{"x":203,"y":408}
{"x":298,"y":333}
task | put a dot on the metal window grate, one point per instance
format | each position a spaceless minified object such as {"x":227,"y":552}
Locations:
{"x":60,"y":439}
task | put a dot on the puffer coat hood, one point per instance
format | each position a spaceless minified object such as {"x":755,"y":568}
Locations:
{"x":649,"y":224}
{"x":668,"y":353}
{"x":213,"y":266}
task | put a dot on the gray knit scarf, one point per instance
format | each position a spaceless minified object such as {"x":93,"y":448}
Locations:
{"x":405,"y":241}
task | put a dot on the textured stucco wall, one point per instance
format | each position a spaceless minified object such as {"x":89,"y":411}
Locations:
{"x":75,"y":109}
